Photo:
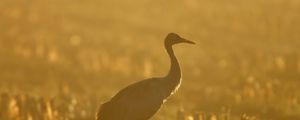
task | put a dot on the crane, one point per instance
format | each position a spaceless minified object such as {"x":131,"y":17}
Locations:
{"x":141,"y":100}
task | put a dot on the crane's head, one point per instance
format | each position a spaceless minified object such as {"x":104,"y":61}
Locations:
{"x":173,"y":38}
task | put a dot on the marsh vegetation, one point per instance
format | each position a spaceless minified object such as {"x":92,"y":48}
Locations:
{"x":59,"y":59}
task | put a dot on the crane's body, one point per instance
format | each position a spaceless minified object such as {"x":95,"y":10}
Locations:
{"x":141,"y":100}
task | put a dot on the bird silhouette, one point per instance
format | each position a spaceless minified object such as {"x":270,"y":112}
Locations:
{"x":141,"y":100}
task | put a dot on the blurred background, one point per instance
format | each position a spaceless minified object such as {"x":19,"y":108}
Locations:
{"x":60,"y":59}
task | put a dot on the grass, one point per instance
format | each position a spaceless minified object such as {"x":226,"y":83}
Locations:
{"x":65,"y":52}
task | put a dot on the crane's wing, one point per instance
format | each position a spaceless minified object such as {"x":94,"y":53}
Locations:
{"x":138,"y":101}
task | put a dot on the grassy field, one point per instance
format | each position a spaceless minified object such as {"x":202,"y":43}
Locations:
{"x":60,"y":59}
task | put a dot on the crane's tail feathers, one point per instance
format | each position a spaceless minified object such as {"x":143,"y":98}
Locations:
{"x":98,"y":113}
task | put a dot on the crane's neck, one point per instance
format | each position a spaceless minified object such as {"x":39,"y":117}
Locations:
{"x":174,"y":74}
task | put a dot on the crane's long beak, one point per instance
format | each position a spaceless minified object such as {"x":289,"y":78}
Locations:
{"x":188,"y":41}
